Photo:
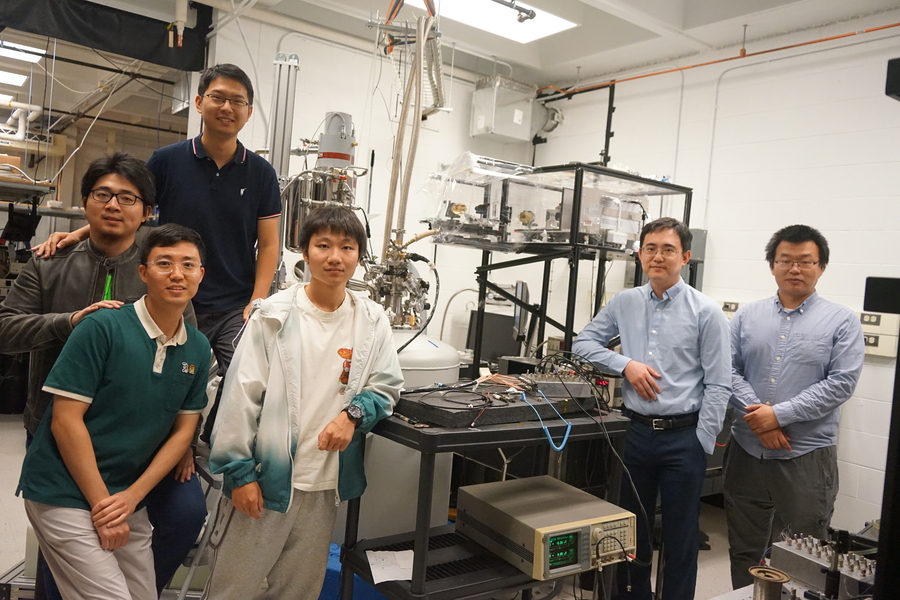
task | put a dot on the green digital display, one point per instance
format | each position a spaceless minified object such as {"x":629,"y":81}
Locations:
{"x":563,"y":550}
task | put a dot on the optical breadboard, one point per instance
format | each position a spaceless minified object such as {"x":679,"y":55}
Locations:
{"x":545,"y":527}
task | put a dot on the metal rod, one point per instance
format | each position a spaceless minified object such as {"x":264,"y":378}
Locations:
{"x":524,"y":13}
{"x":545,"y":296}
{"x":574,"y":259}
{"x":423,"y":523}
{"x":610,"y":109}
{"x":72,"y":61}
{"x":535,"y":310}
{"x":521,"y":261}
{"x":479,"y":318}
{"x":601,"y":284}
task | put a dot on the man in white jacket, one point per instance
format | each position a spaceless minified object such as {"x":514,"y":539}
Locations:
{"x":315,"y":370}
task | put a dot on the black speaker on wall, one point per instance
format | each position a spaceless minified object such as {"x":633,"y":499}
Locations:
{"x":892,"y":87}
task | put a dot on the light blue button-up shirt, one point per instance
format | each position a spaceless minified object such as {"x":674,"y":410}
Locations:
{"x":683,"y":336}
{"x":803,"y":362}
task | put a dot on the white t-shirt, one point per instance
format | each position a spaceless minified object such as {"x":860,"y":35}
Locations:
{"x":326,"y":350}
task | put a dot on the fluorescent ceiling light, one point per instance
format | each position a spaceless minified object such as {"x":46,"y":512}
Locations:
{"x":6,"y":49}
{"x":5,"y":98}
{"x":500,"y":20}
{"x":12,"y":78}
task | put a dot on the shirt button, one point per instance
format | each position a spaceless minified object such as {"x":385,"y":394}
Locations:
{"x":657,"y":310}
{"x":768,"y":404}
{"x":782,"y":337}
{"x":217,"y":174}
{"x":654,"y":331}
{"x":788,"y":318}
{"x":650,"y":353}
{"x":777,"y":358}
{"x":772,"y":380}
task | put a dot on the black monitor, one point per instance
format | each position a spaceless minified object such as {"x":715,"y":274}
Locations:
{"x":497,"y":339}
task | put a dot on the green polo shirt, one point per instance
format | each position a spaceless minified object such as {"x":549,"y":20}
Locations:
{"x":136,"y":385}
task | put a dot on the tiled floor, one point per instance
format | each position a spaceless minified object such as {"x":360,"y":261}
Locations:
{"x":12,"y":511}
{"x":713,"y":578}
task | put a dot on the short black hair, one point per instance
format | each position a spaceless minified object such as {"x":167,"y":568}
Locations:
{"x":684,"y":233}
{"x":228,"y":71}
{"x":124,"y":164}
{"x":169,"y":235}
{"x":797,"y":234}
{"x":336,"y":219}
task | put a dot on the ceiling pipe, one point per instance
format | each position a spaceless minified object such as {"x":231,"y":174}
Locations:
{"x":318,"y":32}
{"x":561,"y":93}
{"x":25,"y":114}
{"x":524,"y":13}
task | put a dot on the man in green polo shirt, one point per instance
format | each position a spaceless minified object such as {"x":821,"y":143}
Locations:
{"x":128,"y":389}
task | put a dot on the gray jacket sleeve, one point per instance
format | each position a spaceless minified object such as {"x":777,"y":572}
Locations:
{"x":23,"y":325}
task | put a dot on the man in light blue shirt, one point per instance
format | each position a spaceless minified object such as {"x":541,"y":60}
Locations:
{"x":797,"y":357}
{"x":675,"y":359}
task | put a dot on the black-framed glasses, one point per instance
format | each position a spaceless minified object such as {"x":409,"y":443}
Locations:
{"x":103,"y":195}
{"x":220,"y":101}
{"x":785,"y":265}
{"x":666,"y":251}
{"x":167,"y":266}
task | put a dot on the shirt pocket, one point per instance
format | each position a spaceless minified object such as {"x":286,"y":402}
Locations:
{"x":810,"y":349}
{"x":177,"y":391}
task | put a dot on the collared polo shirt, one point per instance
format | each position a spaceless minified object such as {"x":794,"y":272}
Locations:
{"x":108,"y":362}
{"x":224,"y":207}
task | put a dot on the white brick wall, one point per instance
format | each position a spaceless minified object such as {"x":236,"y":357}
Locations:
{"x":805,"y":136}
{"x":800,"y":136}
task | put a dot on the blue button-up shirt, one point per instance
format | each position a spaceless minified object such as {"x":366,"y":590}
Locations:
{"x":803,"y":362}
{"x":683,"y":336}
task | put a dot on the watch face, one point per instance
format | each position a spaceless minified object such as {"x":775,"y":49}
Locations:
{"x":355,"y":412}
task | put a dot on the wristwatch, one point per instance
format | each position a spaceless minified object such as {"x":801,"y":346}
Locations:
{"x":354,"y":411}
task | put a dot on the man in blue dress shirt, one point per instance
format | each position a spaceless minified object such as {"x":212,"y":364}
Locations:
{"x":675,"y":359}
{"x":797,"y":357}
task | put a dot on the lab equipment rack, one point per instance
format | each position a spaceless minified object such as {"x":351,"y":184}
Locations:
{"x":446,"y":565}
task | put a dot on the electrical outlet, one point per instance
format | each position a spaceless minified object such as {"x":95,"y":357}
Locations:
{"x":730,"y":306}
{"x":880,"y":344}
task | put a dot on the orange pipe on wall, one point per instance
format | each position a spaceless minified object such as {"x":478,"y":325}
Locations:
{"x":743,"y":54}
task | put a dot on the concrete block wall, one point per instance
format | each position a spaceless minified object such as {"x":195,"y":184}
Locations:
{"x":805,"y":135}
{"x":800,"y":136}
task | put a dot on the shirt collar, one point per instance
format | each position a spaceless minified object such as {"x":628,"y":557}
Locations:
{"x":669,"y":293}
{"x":805,"y":305}
{"x":153,"y":330}
{"x":199,"y":151}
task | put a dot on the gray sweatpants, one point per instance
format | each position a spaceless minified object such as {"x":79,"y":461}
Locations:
{"x":765,"y":497}
{"x":288,"y":550}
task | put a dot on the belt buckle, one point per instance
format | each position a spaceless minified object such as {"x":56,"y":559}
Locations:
{"x":659,"y":424}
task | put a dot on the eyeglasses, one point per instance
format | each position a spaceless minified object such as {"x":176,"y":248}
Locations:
{"x":164,"y":267}
{"x":124,"y":198}
{"x":785,"y":265}
{"x":666,"y":251}
{"x":220,"y":101}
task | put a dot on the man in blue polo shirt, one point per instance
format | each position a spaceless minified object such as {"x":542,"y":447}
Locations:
{"x":128,"y":389}
{"x":676,"y":362}
{"x":230,"y":196}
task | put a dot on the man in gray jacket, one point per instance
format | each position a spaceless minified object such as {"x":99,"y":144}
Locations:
{"x":51,"y":296}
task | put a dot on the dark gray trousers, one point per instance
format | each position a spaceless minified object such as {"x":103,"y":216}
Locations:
{"x":765,"y":497}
